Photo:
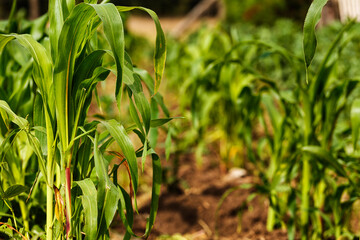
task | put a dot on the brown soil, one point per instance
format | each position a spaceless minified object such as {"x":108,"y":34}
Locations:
{"x":188,"y":208}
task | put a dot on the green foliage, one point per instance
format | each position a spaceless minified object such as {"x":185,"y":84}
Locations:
{"x":289,"y":107}
{"x":53,"y":74}
{"x":265,"y":11}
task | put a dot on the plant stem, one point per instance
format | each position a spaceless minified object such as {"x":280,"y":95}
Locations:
{"x":270,"y":223}
{"x":25,"y":217}
{"x":319,"y":199}
{"x":50,"y":176}
{"x":305,"y":182}
{"x":49,"y":213}
{"x":68,"y":202}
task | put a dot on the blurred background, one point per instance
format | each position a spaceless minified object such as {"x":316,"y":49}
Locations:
{"x":256,"y":11}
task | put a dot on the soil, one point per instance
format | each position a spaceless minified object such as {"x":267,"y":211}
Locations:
{"x":188,"y":208}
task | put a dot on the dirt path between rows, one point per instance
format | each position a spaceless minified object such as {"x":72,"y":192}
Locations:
{"x":187,"y":210}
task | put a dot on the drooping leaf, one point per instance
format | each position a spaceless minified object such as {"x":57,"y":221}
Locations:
{"x":114,"y":32}
{"x":160,"y":45}
{"x":126,"y":207}
{"x":326,"y":158}
{"x":118,"y":132}
{"x":155,"y":194}
{"x":21,"y":122}
{"x":309,"y":39}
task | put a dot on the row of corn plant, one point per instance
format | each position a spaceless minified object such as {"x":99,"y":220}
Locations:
{"x":295,"y":116}
{"x":45,"y":128}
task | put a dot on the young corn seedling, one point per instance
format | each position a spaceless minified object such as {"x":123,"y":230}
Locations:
{"x":67,"y":147}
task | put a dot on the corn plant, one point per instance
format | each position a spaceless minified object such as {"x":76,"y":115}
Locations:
{"x":305,"y":154}
{"x":316,"y":105}
{"x":65,"y":145}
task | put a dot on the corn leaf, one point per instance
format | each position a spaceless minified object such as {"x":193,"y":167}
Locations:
{"x":355,"y":121}
{"x":56,"y":19}
{"x":155,"y":194}
{"x":134,"y":115}
{"x":114,"y":32}
{"x":125,"y":201}
{"x":87,"y":67}
{"x":160,"y":45}
{"x":107,"y":194}
{"x":325,"y":158}
{"x":118,"y":132}
{"x":309,"y":39}
{"x":329,"y":61}
{"x":39,"y":122}
{"x":21,"y":122}
{"x":89,"y":202}
{"x":42,"y":69}
{"x":72,"y":36}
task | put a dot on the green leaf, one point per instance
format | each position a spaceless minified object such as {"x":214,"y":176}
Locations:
{"x":72,"y":36}
{"x":144,"y":109}
{"x":108,"y":195}
{"x":309,"y":39}
{"x":135,"y":117}
{"x":329,"y":61}
{"x":39,"y":122}
{"x":14,"y":191}
{"x":35,"y":144}
{"x":118,"y":132}
{"x":125,"y":202}
{"x":56,"y":19}
{"x":42,"y":67}
{"x":21,"y":122}
{"x":168,"y":143}
{"x":143,"y":157}
{"x":89,"y":202}
{"x":326,"y":158}
{"x":125,"y":206}
{"x":160,"y":45}
{"x":114,"y":32}
{"x":355,"y":121}
{"x":87,"y":67}
{"x":155,"y":194}
{"x":161,"y":121}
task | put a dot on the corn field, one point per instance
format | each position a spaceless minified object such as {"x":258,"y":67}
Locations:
{"x":282,"y":102}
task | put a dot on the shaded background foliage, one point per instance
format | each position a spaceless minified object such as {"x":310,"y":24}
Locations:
{"x":256,"y":11}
